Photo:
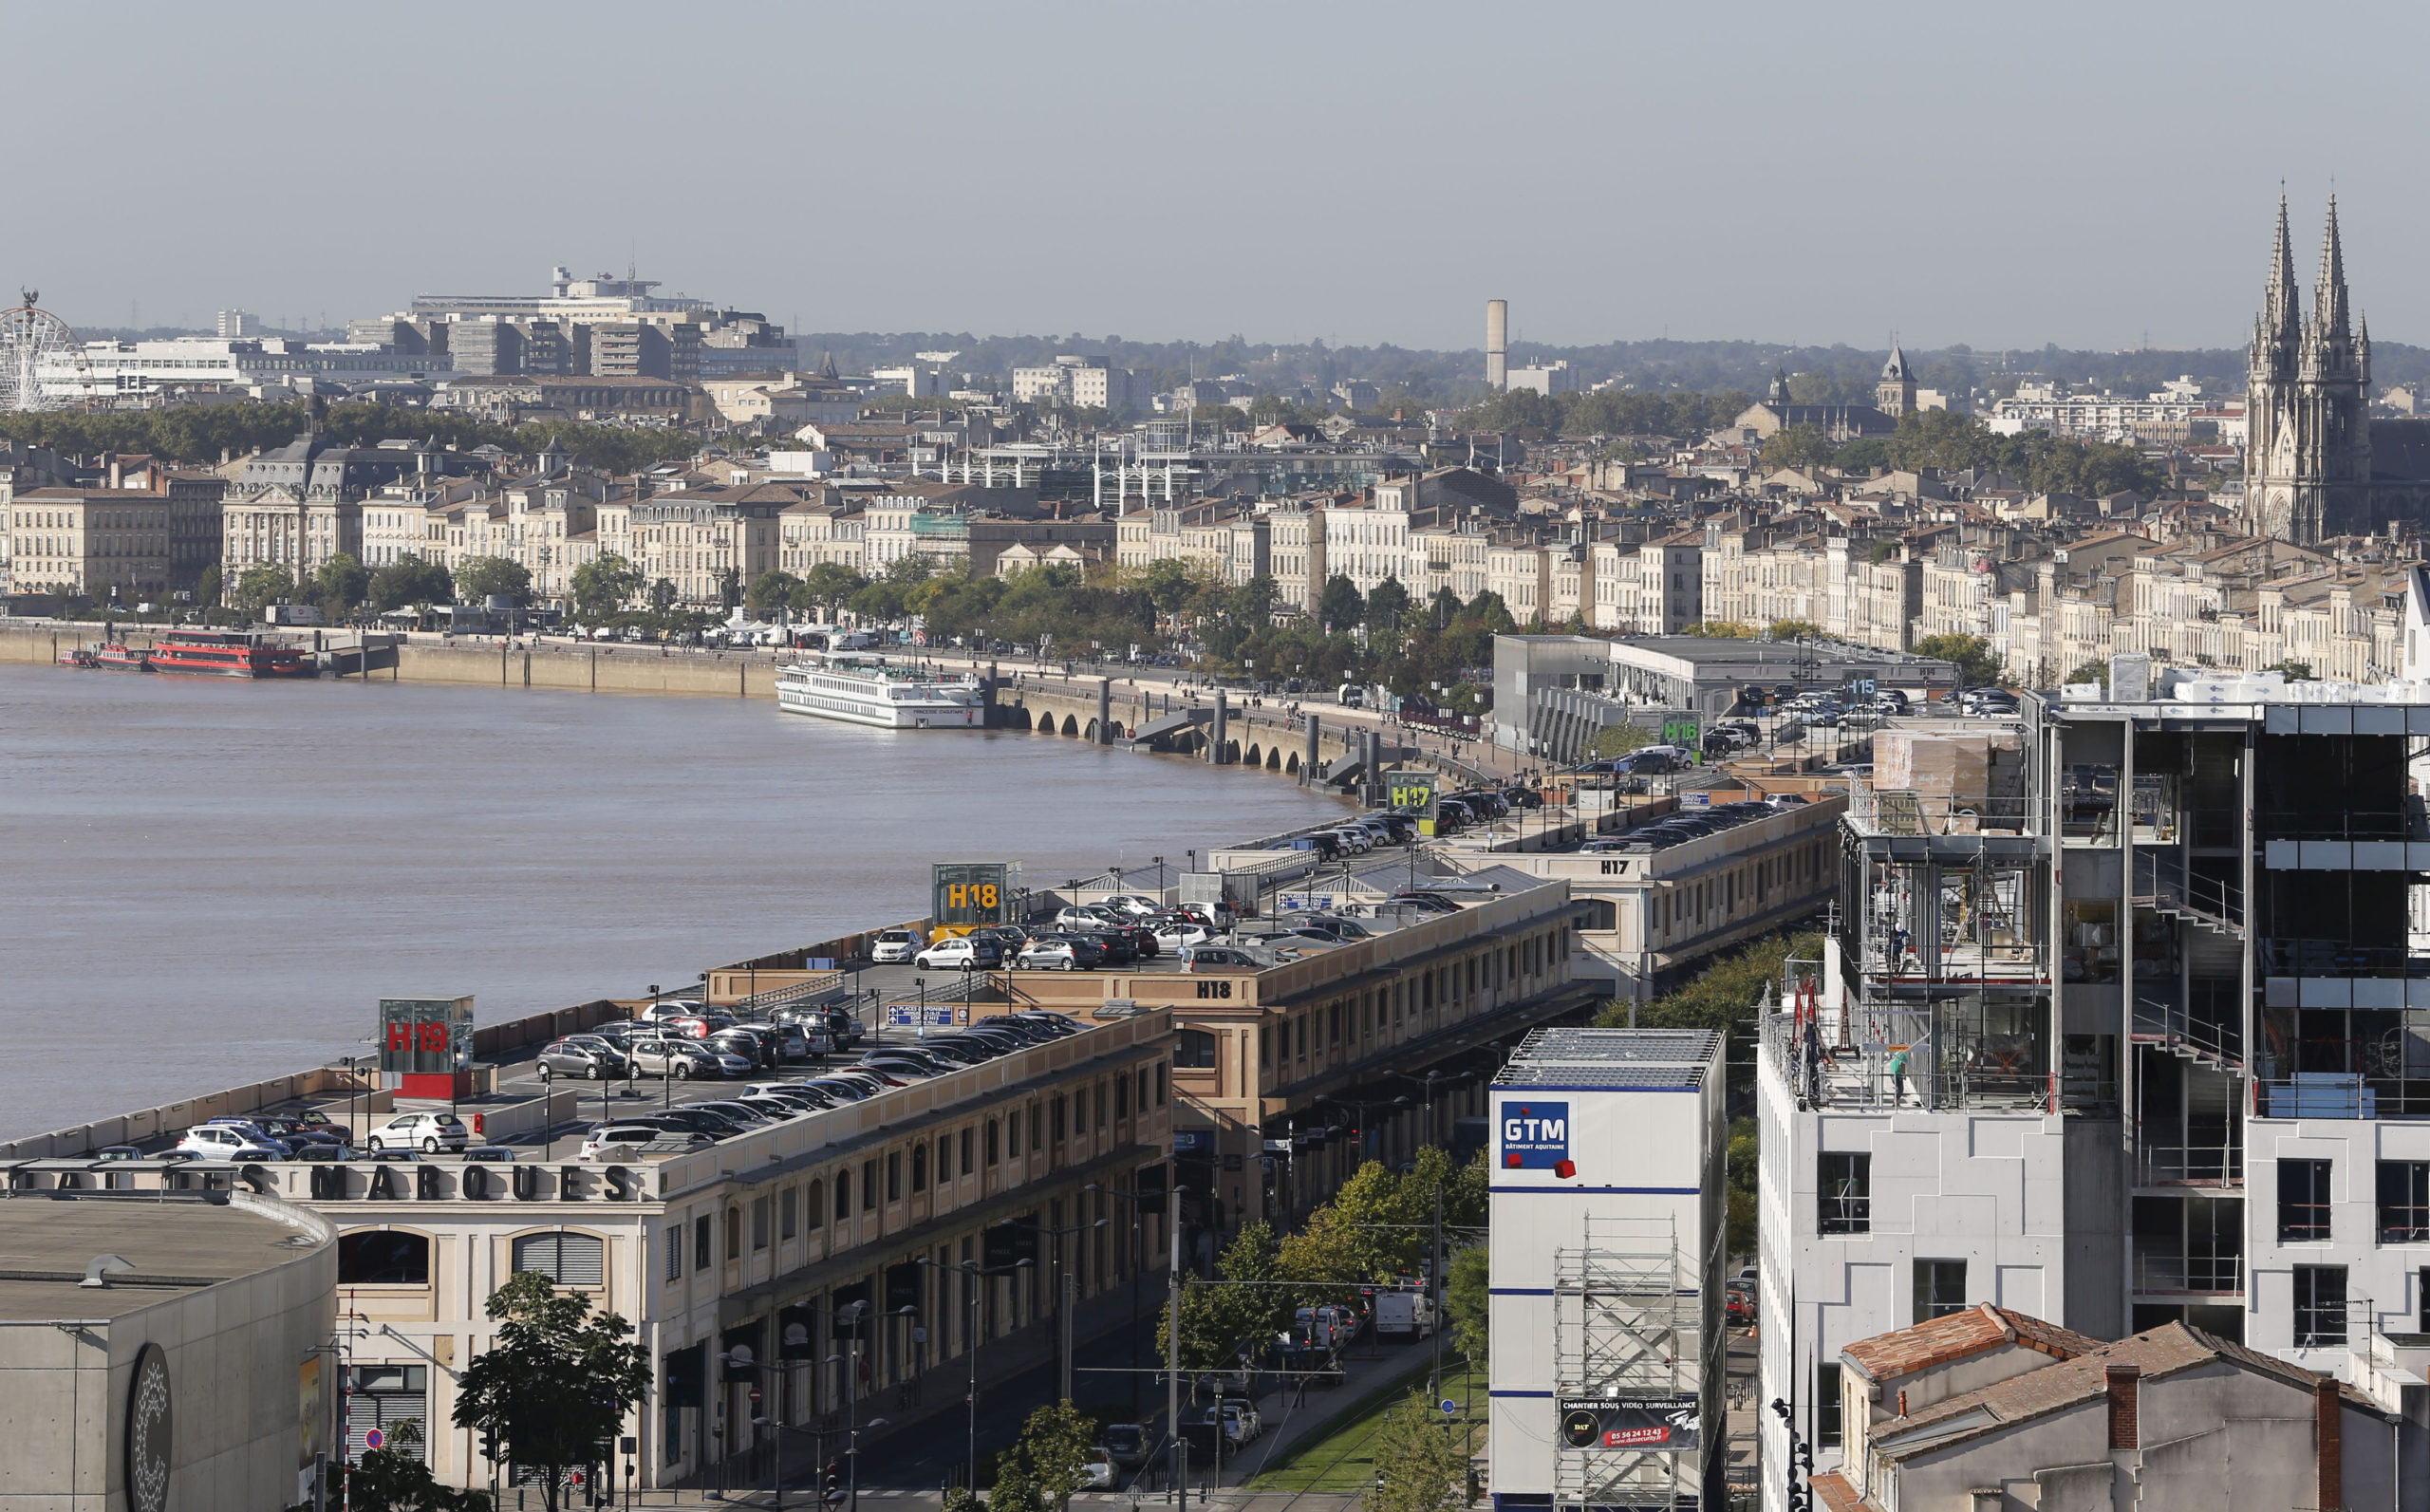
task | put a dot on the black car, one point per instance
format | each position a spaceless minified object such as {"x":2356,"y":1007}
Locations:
{"x":751,"y":1044}
{"x":586,"y":1055}
{"x":1523,"y":797}
{"x":1119,"y":948}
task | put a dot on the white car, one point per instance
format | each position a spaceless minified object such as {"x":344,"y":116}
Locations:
{"x":1046,"y":955}
{"x":1172,"y":935}
{"x":1357,"y":842}
{"x":1097,"y":1470}
{"x":428,"y":1133}
{"x":893,"y":947}
{"x":1087,"y":916}
{"x":1133,"y":903}
{"x":956,"y":955}
{"x":228,"y":1142}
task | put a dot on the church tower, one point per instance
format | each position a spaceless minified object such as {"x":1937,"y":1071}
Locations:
{"x":2308,"y":435}
{"x":1895,"y":393}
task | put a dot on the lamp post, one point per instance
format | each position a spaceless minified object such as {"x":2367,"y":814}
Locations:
{"x":1063,"y":1316}
{"x":970,"y":1343}
{"x":1138,"y":1263}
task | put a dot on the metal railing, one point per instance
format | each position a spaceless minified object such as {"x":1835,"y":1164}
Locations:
{"x":2189,"y":1166}
{"x":2297,"y":956}
{"x":1939,"y":1055}
{"x":2200,"y":1275}
{"x":2201,"y":1030}
{"x":2163,"y":883}
{"x":2407,"y":823}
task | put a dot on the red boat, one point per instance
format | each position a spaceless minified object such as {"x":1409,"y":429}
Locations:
{"x":228,"y":654}
{"x":108,"y":659}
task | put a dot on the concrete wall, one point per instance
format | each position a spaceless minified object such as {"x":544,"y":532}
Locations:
{"x":237,"y":1355}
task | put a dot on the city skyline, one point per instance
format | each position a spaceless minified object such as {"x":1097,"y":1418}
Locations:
{"x":1309,"y":184}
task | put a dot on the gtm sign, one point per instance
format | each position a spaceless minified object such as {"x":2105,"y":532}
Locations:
{"x":1534,"y":1136}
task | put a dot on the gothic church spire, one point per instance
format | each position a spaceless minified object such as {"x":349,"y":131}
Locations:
{"x":2282,"y":305}
{"x":2329,"y":312}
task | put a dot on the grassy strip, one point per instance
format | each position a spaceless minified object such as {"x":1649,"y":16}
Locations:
{"x":1341,"y":1459}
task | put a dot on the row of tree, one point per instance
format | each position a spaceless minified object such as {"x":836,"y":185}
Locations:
{"x":1376,"y":1230}
{"x":1953,"y":443}
{"x":200,"y":435}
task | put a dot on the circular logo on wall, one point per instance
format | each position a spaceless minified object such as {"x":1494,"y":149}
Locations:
{"x":147,"y":1432}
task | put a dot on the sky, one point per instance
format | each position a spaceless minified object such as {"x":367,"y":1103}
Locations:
{"x":2096,"y":175}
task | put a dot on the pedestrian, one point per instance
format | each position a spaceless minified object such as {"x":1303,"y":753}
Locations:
{"x":1899,"y":1073}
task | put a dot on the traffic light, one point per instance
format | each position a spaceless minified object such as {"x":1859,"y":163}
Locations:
{"x":831,"y":1486}
{"x":489,"y":1443}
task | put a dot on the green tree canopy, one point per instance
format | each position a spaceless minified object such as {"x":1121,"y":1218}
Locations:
{"x":1341,"y":605}
{"x":1977,"y":663}
{"x":1791,"y":629}
{"x":262,"y":585}
{"x":1468,"y":1303}
{"x":343,"y":581}
{"x":409,"y":580}
{"x":483,"y":577}
{"x":603,"y":584}
{"x":1387,"y":606}
{"x":769,"y":592}
{"x":1047,"y":1463}
{"x":828,"y":585}
{"x":556,"y":1381}
{"x":1803,"y":447}
{"x":1419,"y":1466}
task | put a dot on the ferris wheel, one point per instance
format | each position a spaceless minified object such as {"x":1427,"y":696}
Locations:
{"x":42,"y":363}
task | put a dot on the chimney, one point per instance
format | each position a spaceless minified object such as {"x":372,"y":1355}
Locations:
{"x":2124,"y":1431}
{"x":1497,"y":344}
{"x":2328,"y":1450}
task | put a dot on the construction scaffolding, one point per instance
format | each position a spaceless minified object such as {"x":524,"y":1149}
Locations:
{"x":1632,"y":1379}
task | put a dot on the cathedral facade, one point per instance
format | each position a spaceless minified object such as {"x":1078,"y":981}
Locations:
{"x":2309,"y":467}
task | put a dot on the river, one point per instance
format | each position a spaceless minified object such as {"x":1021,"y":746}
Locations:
{"x":211,"y":882}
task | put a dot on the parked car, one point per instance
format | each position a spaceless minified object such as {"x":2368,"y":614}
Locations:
{"x":1097,"y":1470}
{"x":682,"y":1059}
{"x":754,"y":1047}
{"x":1061,"y":952}
{"x":892,"y":948}
{"x":428,"y":1133}
{"x":1330,"y":1326}
{"x":324,"y":1150}
{"x":585,"y":1055}
{"x":1126,"y":1444}
{"x":617,"y":1141}
{"x":221,"y":1141}
{"x":962,"y":953}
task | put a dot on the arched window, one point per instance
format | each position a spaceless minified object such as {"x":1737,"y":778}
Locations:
{"x":568,"y":1259}
{"x":377,"y":1257}
{"x":1195,"y":1051}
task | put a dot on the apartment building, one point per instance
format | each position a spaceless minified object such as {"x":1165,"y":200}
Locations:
{"x":107,"y":544}
{"x":707,"y":543}
{"x":1078,"y":382}
{"x":825,"y":528}
{"x":2117,"y":1029}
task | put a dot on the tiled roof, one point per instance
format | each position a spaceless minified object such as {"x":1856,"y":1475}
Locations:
{"x":1957,"y":1336}
{"x":1833,"y":1491}
{"x":2159,"y":1351}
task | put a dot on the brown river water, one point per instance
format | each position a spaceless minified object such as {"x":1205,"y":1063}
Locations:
{"x":211,"y":882}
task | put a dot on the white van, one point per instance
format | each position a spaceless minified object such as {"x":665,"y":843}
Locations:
{"x":1404,"y":1314}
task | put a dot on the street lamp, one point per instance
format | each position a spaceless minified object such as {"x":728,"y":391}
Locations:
{"x":970,"y":1342}
{"x":1062,"y":1318}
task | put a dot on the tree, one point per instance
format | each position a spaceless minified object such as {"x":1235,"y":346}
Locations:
{"x":1977,"y":665}
{"x":556,"y":1381}
{"x":1721,"y":631}
{"x":486,"y":577}
{"x":394,"y":1477}
{"x":1442,"y":608}
{"x":1387,"y":605}
{"x":2089,"y":672}
{"x":411,"y":580}
{"x":1468,"y":1303}
{"x":828,"y":584}
{"x":770,"y":591}
{"x":206,"y":588}
{"x":1341,"y":605}
{"x":343,"y":580}
{"x":1791,"y":629}
{"x":1419,"y":1467}
{"x":262,"y":585}
{"x":1048,"y":1463}
{"x":1217,"y":1321}
{"x":1803,"y":447}
{"x":603,"y":584}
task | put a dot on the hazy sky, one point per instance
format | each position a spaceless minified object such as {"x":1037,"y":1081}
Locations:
{"x":2090,"y":175}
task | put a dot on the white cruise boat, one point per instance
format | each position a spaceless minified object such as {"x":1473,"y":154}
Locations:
{"x":859,"y":688}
